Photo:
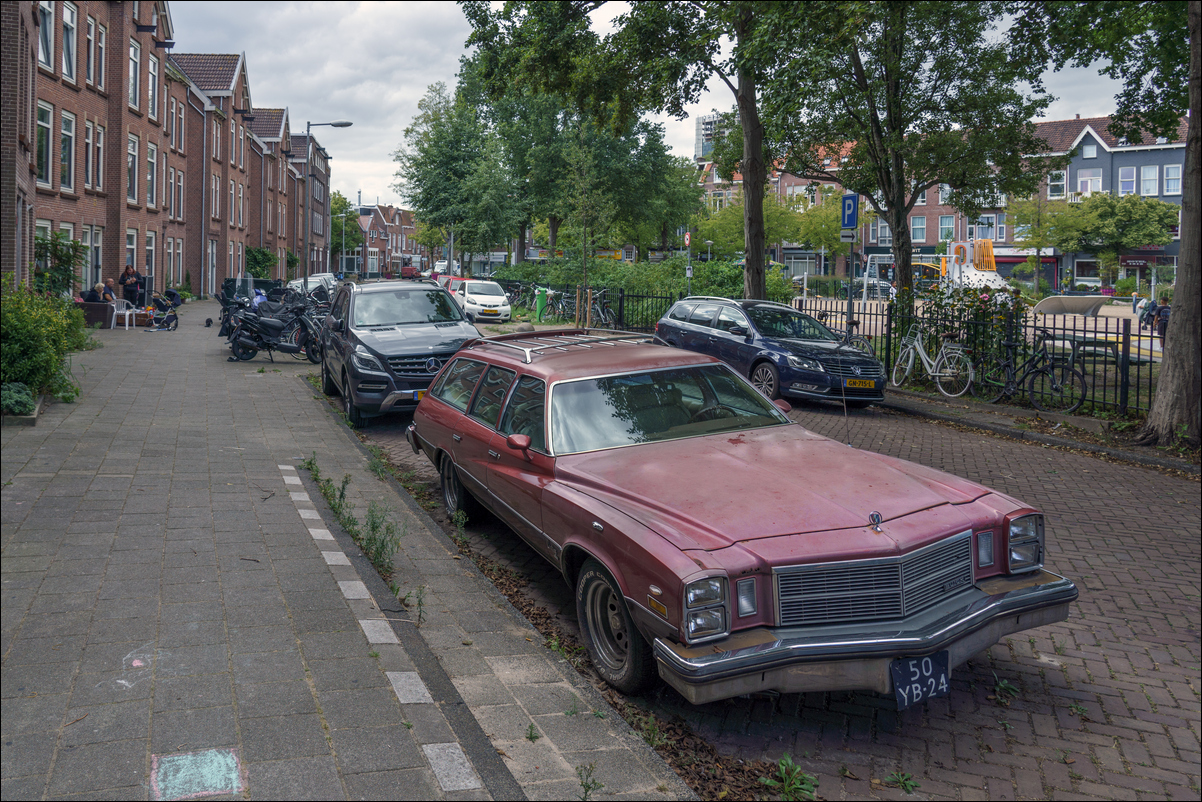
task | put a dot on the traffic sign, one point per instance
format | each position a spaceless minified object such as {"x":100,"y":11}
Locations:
{"x":687,"y":238}
{"x":851,"y":212}
{"x":847,"y":235}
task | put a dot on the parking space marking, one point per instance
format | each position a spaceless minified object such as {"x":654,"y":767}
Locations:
{"x":321,"y":534}
{"x":451,"y":767}
{"x":292,"y":480}
{"x":409,"y":688}
{"x":310,"y":514}
{"x":287,"y":468}
{"x":299,"y":495}
{"x":353,"y":589}
{"x":335,"y":558}
{"x":378,"y":631}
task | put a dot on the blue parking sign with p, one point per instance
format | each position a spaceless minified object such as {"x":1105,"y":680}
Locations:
{"x":851,"y":211}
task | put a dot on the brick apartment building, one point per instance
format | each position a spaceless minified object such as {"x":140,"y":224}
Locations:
{"x":148,"y":157}
{"x":388,"y":244}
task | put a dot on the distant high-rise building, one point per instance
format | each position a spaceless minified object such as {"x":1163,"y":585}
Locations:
{"x":708,"y":126}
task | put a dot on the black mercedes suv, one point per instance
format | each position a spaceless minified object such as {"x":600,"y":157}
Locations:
{"x":382,"y":344}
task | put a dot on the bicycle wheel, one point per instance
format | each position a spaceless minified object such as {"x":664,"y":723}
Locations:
{"x":989,"y":379}
{"x":953,"y":373}
{"x":292,"y":335}
{"x":1057,"y":388}
{"x":862,"y":344}
{"x":903,"y":366}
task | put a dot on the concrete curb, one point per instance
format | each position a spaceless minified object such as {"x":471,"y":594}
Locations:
{"x":919,"y":410}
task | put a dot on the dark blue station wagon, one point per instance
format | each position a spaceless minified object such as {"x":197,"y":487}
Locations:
{"x":781,"y":350}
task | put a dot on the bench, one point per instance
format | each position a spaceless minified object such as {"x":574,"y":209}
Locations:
{"x":94,"y":313}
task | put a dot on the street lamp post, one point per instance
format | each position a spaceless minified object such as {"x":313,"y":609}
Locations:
{"x":309,"y":187}
{"x":709,"y":243}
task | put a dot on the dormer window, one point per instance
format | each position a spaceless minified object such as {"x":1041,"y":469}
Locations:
{"x":1089,"y":151}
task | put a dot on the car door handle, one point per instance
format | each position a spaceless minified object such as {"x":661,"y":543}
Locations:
{"x":494,"y":454}
{"x":457,"y":437}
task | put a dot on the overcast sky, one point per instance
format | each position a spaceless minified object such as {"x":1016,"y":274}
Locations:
{"x":371,"y":62}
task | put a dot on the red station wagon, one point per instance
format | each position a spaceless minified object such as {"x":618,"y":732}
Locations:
{"x":713,"y":541}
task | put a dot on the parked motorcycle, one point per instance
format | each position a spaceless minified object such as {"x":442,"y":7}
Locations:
{"x":254,"y":331}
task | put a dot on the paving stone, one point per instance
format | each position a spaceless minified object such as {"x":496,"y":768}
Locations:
{"x":190,"y":730}
{"x":302,"y":778}
{"x":347,"y":674}
{"x":376,"y":749}
{"x":392,"y":785}
{"x":283,"y":737}
{"x":276,"y":666}
{"x":261,"y":699}
{"x":95,"y":767}
{"x":371,"y":707}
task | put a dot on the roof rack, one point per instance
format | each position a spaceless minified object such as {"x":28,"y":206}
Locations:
{"x":706,"y":298}
{"x":530,"y":344}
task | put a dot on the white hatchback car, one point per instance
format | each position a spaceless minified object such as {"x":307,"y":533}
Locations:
{"x":482,"y":300}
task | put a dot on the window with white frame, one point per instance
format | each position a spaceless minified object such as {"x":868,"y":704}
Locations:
{"x":988,"y":226}
{"x":66,"y":152}
{"x":101,"y":33}
{"x":179,"y":260}
{"x":169,"y":258}
{"x":241,"y":262}
{"x":230,"y":259}
{"x":179,"y":127}
{"x":283,"y":219}
{"x":41,"y":229}
{"x":89,"y":129}
{"x":239,"y":205}
{"x":131,"y":169}
{"x":152,"y":184}
{"x":92,"y":238}
{"x":231,"y":206}
{"x":216,"y":140}
{"x":135,"y":73}
{"x":214,"y":197}
{"x":1172,"y":179}
{"x":944,"y":193}
{"x":171,"y":121}
{"x":918,"y":229}
{"x":152,"y":87}
{"x":270,"y":220}
{"x":879,"y":233}
{"x":170,"y":204}
{"x":150,"y":255}
{"x":1126,"y":181}
{"x":45,"y":121}
{"x":1089,"y":151}
{"x":921,"y":198}
{"x":131,"y":247}
{"x":98,"y":161}
{"x":947,"y":227}
{"x":46,"y":34}
{"x":1149,"y":179}
{"x":89,"y":73}
{"x":179,"y":195}
{"x":1057,"y":184}
{"x":233,"y":143}
{"x":241,"y":146}
{"x":1089,"y":180}
{"x":70,"y":41}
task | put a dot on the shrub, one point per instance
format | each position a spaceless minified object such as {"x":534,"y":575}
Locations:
{"x":37,"y":331}
{"x":15,"y":399}
{"x":1125,"y":286}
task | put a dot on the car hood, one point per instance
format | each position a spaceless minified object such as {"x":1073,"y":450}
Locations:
{"x":715,"y":491}
{"x":821,"y":349}
{"x":416,"y":338}
{"x":488,"y":299}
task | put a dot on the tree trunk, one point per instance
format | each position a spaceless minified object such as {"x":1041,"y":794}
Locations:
{"x":520,"y":256}
{"x":1176,"y":412}
{"x":902,"y":247}
{"x":755,"y":173}
{"x":553,"y":236}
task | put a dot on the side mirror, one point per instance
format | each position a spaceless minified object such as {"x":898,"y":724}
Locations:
{"x":519,"y":442}
{"x":339,"y":326}
{"x":737,"y":331}
{"x":783,"y":405}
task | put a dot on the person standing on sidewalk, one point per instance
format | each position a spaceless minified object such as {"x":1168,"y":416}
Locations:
{"x":1161,"y":322}
{"x":131,"y":284}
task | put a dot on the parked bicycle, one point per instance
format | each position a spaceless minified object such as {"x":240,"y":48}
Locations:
{"x":848,"y":336}
{"x":1054,"y":384}
{"x":951,"y":368}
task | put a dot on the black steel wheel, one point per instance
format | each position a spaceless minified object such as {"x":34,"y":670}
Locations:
{"x":327,"y":382}
{"x":618,"y":651}
{"x":766,"y":379}
{"x":241,"y":351}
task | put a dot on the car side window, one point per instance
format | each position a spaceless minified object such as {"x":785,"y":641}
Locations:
{"x":487,"y":406}
{"x":729,"y":318}
{"x":680,"y":312}
{"x":458,"y":382}
{"x":703,"y":314}
{"x":525,"y":412}
{"x":339,"y":310}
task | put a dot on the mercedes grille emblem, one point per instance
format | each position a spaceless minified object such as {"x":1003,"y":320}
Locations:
{"x":432,"y":365}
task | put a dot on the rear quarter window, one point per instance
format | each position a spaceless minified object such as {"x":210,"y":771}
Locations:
{"x":456,"y":384}
{"x":680,"y":312}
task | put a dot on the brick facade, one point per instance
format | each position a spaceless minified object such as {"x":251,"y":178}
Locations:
{"x":146,"y":156}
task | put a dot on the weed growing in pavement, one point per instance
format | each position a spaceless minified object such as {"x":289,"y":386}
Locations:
{"x":408,"y":724}
{"x":1077,"y":709}
{"x":652,"y":734}
{"x":1003,"y":689}
{"x":421,"y":603}
{"x":904,"y":780}
{"x":572,"y":654}
{"x":310,"y":463}
{"x":460,"y":536}
{"x":1060,"y":648}
{"x":574,"y":710}
{"x":1006,"y":725}
{"x":588,"y":784}
{"x":598,"y":714}
{"x":373,"y":653}
{"x":791,"y":782}
{"x":381,"y":538}
{"x":532,"y":734}
{"x":261,"y":370}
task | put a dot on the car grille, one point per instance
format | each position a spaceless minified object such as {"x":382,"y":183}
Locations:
{"x":869,"y":590}
{"x":417,"y":365}
{"x":846,"y":371}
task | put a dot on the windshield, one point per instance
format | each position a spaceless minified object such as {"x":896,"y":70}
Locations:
{"x":483,"y":288}
{"x":399,"y":307}
{"x":592,"y":414}
{"x":773,"y":321}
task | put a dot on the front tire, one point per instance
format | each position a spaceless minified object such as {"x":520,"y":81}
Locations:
{"x":618,"y":651}
{"x":989,"y":380}
{"x":353,"y":416}
{"x":1057,"y":388}
{"x":327,"y":382}
{"x":903,"y":366}
{"x":455,"y":498}
{"x":313,"y":350}
{"x":766,"y":379}
{"x":240,"y":351}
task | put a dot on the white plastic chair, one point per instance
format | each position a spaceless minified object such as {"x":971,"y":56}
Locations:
{"x":122,"y":307}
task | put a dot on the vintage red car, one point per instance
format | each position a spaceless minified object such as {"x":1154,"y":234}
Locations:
{"x":711,"y":539}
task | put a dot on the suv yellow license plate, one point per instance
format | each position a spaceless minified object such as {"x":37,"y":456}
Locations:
{"x":867,"y":384}
{"x":417,"y":394}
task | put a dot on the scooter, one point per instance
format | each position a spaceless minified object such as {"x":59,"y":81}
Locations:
{"x":254,"y":333}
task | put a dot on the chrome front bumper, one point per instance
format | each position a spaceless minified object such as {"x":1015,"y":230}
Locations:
{"x":857,"y":656}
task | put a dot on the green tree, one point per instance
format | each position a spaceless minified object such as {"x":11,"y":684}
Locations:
{"x":821,"y":224}
{"x":1107,"y":226}
{"x":490,"y":216}
{"x":585,"y":202}
{"x":1039,"y":224}
{"x":893,"y":99}
{"x":1155,"y":50}
{"x":659,"y":58}
{"x":782,"y":223}
{"x":344,"y":221}
{"x":261,"y":262}
{"x":59,"y":261}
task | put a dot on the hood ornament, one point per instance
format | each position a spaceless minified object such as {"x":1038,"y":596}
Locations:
{"x":875,"y":519}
